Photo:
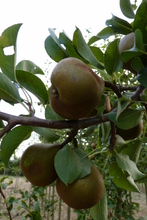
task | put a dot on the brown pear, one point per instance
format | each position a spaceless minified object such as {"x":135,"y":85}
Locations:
{"x":132,"y":133}
{"x":126,"y":43}
{"x":76,"y":90}
{"x":82,"y":193}
{"x":37,"y":163}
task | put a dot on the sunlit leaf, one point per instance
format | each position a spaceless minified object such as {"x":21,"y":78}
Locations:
{"x":68,"y":165}
{"x":33,"y":84}
{"x":7,"y":39}
{"x":126,"y":8}
{"x":29,"y":66}
{"x":121,"y":179}
{"x":12,"y":140}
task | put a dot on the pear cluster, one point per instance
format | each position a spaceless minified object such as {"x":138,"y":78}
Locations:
{"x":76,"y":90}
{"x":37,"y":165}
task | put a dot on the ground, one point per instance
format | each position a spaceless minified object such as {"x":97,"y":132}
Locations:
{"x":53,"y":214}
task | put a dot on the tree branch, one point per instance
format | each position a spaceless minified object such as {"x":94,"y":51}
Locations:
{"x":114,"y":88}
{"x":35,"y":121}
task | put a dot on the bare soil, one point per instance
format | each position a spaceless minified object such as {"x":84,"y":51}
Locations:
{"x":65,"y":212}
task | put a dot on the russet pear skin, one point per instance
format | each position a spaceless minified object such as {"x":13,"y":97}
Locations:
{"x":37,"y":163}
{"x":132,"y":133}
{"x":76,"y":90}
{"x":126,"y":43}
{"x":82,"y":193}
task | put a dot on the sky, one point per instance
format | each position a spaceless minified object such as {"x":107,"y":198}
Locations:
{"x":38,"y":16}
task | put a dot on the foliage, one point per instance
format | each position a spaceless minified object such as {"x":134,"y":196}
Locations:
{"x":123,"y":104}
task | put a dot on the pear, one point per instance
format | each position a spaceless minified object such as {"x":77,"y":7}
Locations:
{"x":37,"y":163}
{"x":126,"y":43}
{"x":82,"y":193}
{"x":76,"y":90}
{"x":131,"y":133}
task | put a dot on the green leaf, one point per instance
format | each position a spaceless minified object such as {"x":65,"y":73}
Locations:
{"x":126,"y":8}
{"x":105,"y":131}
{"x":97,"y":53}
{"x":140,"y":20}
{"x":33,"y":84}
{"x":37,"y":207}
{"x":70,"y":49}
{"x":112,"y":63}
{"x":7,"y":39}
{"x":128,"y":119}
{"x":122,"y":104}
{"x":142,"y":77}
{"x":30,"y":67}
{"x":47,"y":133}
{"x":84,"y":50}
{"x":12,"y":140}
{"x":137,"y":64}
{"x":24,"y":204}
{"x":89,"y":130}
{"x":119,"y":25}
{"x":121,"y":179}
{"x":128,"y":165}
{"x":133,"y":150}
{"x":68,"y":165}
{"x":103,"y":34}
{"x":100,"y":210}
{"x":137,"y":50}
{"x":8,"y":90}
{"x":50,"y":114}
{"x":53,"y":47}
{"x":85,"y":162}
{"x":35,"y":215}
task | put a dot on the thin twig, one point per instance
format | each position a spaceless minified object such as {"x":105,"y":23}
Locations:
{"x":4,"y":197}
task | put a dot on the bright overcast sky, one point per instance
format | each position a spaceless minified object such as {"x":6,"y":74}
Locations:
{"x":38,"y":16}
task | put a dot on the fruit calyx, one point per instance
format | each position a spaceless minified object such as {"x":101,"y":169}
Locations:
{"x":55,"y":93}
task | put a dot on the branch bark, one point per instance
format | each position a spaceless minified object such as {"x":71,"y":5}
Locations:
{"x":35,"y":121}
